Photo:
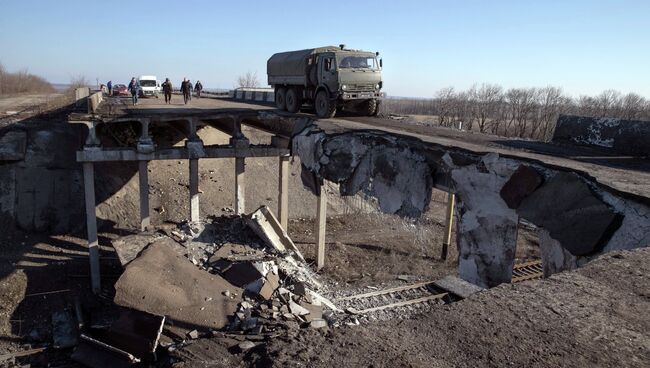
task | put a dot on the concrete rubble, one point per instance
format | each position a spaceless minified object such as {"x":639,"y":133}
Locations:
{"x":236,"y":275}
{"x":579,"y":218}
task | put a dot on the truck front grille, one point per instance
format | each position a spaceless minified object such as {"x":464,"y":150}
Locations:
{"x":361,"y":87}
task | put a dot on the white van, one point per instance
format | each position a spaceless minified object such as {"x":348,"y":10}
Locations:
{"x":149,"y":86}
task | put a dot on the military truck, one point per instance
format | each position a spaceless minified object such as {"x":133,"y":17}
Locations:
{"x":329,"y":78}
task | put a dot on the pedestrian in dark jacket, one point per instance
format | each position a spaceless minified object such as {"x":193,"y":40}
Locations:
{"x":167,"y":90}
{"x":186,"y":89}
{"x":198,"y":87}
{"x":189,"y":88}
{"x":134,"y":88}
{"x":110,"y":87}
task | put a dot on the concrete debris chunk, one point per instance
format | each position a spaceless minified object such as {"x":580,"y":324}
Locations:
{"x":318,"y":323}
{"x":267,"y":227}
{"x":194,"y":334}
{"x":242,"y":273}
{"x":162,"y":282}
{"x":296,"y":309}
{"x":128,"y":247}
{"x":458,"y":286}
{"x":246,"y":345}
{"x":521,"y":184}
{"x":572,"y":214}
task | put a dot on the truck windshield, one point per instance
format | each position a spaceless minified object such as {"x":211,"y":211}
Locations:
{"x":364,"y":62}
{"x":147,"y":83}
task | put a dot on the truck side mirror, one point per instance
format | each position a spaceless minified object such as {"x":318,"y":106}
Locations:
{"x":381,"y":63}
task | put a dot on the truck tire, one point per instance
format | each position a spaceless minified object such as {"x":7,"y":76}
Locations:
{"x":281,"y":98}
{"x":370,"y":107}
{"x":293,"y":100}
{"x":325,"y":108}
{"x":378,"y":103}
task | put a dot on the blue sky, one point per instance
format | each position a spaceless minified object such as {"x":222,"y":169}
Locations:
{"x":582,"y":46}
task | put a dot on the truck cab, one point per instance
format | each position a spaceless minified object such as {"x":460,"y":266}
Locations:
{"x":149,"y":86}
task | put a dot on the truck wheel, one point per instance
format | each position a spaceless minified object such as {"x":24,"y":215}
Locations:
{"x":370,"y":108}
{"x":294,"y":100}
{"x":378,"y":103}
{"x":281,"y":98}
{"x":324,"y":107}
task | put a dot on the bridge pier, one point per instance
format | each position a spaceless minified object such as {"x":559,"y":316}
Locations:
{"x":283,"y":191}
{"x":321,"y":222}
{"x":91,"y":226}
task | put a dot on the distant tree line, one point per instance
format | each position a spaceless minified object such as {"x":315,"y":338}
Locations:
{"x":22,"y":82}
{"x":516,"y":112}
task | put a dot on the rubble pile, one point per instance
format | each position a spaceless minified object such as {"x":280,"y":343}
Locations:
{"x":229,"y":276}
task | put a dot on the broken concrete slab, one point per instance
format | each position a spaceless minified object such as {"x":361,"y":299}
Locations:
{"x":458,"y":286}
{"x":572,"y":214}
{"x":521,"y":184}
{"x":160,"y":281}
{"x":268,"y":228}
{"x":128,"y":247}
{"x":629,"y":137}
{"x":487,"y":231}
{"x":241,"y":274}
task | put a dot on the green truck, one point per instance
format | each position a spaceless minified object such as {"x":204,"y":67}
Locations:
{"x":329,"y":78}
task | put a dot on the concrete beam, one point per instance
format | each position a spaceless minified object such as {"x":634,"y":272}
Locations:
{"x":240,"y":186}
{"x":143,"y":175}
{"x":321,"y":222}
{"x":91,"y":226}
{"x":283,"y":191}
{"x":194,"y":190}
{"x":178,"y":153}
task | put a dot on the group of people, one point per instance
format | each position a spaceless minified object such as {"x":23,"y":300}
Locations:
{"x":167,"y":87}
{"x":186,"y":90}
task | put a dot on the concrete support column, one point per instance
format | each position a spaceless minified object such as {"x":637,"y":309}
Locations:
{"x":283,"y":191}
{"x":91,"y":226}
{"x":143,"y":175}
{"x":240,"y":185}
{"x":451,"y":202}
{"x":487,"y":227}
{"x":321,"y":221}
{"x":194,"y":190}
{"x":486,"y":248}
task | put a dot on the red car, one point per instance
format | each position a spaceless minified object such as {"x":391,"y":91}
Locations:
{"x":120,"y":90}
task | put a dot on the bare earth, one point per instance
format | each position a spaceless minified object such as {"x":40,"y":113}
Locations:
{"x":597,"y":316}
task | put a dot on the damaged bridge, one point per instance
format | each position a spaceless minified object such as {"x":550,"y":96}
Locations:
{"x":584,"y":202}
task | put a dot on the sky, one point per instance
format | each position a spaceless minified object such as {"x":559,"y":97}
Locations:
{"x":584,"y":47}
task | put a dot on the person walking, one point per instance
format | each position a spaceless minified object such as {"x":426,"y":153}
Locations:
{"x":189,"y":89}
{"x":186,"y":89}
{"x":110,"y":87}
{"x":167,"y":90}
{"x":198,"y":87}
{"x":134,"y":88}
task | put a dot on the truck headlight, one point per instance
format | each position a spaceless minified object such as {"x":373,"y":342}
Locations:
{"x":376,"y":86}
{"x":344,"y":87}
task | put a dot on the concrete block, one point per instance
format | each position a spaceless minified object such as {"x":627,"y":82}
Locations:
{"x":458,"y":286}
{"x":522,"y":183}
{"x":566,"y":207}
{"x":630,"y":137}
